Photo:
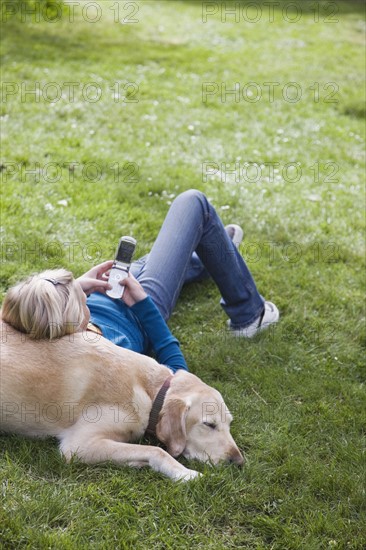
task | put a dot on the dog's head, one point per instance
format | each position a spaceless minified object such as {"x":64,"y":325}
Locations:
{"x":195,"y":422}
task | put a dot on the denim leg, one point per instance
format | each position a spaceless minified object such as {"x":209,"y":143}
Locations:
{"x":192,"y":225}
{"x":195,"y":273}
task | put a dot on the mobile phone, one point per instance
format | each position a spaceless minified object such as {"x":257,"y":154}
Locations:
{"x":121,"y":266}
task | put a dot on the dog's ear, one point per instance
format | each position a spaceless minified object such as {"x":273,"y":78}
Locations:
{"x":171,"y":428}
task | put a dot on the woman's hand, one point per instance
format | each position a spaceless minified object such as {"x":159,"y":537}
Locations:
{"x":133,"y":291}
{"x":96,"y":279}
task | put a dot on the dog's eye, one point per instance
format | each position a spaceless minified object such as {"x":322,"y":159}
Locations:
{"x":210,"y":425}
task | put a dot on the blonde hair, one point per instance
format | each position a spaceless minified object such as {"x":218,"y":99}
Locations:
{"x":47,"y":305}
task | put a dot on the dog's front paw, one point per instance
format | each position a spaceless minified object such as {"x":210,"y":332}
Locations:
{"x":187,"y":475}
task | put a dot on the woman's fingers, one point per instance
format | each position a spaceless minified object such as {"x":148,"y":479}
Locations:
{"x":104,"y":268}
{"x":101,"y":286}
{"x":134,"y":292}
{"x":100,"y":272}
{"x":90,"y":285}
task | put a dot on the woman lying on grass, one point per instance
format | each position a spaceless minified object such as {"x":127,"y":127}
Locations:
{"x":192,"y":245}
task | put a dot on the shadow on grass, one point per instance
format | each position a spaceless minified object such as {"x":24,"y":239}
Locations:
{"x":355,"y":111}
{"x":68,"y":47}
{"x":50,"y":46}
{"x":130,"y":48}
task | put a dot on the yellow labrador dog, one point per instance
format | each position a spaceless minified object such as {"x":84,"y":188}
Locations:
{"x":97,"y":398}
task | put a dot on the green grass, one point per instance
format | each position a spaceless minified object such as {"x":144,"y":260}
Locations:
{"x":297,"y":393}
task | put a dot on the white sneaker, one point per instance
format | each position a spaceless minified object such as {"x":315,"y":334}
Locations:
{"x":235,"y":233}
{"x":269,"y":316}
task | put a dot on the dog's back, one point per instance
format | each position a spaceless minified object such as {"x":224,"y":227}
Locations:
{"x":45,"y":386}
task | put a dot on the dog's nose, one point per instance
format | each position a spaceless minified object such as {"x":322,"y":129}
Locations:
{"x":236,"y":458}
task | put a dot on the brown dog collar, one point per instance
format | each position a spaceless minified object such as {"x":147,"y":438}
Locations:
{"x":157,"y":406}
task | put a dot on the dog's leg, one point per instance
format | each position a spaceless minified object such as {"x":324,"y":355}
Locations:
{"x":102,"y":449}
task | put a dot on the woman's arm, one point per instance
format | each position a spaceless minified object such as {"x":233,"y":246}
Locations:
{"x":165,"y":346}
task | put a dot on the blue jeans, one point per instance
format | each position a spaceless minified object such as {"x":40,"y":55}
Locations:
{"x":193,"y":245}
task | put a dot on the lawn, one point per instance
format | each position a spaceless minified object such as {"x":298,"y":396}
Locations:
{"x":107,"y":113}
